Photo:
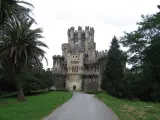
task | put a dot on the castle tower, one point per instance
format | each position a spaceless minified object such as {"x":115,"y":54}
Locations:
{"x":86,"y":37}
{"x":78,"y":67}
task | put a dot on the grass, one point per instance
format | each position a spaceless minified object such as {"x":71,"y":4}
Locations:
{"x":131,"y":110}
{"x":34,"y":108}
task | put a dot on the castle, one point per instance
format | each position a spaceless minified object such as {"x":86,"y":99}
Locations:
{"x":80,"y":67}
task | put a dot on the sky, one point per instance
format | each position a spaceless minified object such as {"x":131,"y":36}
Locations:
{"x":108,"y":17}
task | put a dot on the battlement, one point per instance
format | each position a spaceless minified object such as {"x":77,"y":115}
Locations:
{"x":79,"y":28}
{"x":90,"y":62}
{"x":89,"y":29}
{"x":71,"y":31}
{"x":65,"y":46}
{"x":92,"y":45}
{"x":58,"y":57}
{"x":101,"y":54}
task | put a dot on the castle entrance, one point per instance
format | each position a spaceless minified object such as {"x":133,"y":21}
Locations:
{"x":74,"y":87}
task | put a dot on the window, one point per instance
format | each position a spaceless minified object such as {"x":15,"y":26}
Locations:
{"x":77,"y":68}
{"x":73,"y":56}
{"x":74,"y":68}
{"x":75,"y":62}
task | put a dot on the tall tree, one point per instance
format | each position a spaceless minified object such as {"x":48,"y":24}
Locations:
{"x":144,"y":50}
{"x":37,"y":79}
{"x":20,"y":49}
{"x":1,"y":73}
{"x":114,"y":71}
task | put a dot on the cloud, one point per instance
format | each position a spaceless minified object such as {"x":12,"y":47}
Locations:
{"x":118,"y":21}
{"x":108,"y":17}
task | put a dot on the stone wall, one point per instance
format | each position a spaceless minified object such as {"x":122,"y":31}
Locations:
{"x":59,"y":81}
{"x":90,"y":83}
{"x":74,"y":80}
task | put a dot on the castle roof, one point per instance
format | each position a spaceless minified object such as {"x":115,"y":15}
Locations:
{"x":77,"y":48}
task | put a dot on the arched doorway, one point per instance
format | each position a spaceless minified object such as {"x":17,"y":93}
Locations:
{"x":74,"y":87}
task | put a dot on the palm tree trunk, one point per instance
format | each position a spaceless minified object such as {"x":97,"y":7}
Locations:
{"x":20,"y":94}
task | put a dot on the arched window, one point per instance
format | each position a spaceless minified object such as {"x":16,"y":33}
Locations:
{"x":77,"y":68}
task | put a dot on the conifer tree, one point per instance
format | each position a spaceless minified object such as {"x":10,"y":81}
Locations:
{"x":113,"y":74}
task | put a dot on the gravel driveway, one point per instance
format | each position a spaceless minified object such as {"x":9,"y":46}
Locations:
{"x":82,"y":107}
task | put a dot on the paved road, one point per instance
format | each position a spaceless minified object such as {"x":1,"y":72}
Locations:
{"x":82,"y":107}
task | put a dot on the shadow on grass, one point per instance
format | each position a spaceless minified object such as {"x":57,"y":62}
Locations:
{"x":14,"y":94}
{"x":94,"y":92}
{"x":32,"y":93}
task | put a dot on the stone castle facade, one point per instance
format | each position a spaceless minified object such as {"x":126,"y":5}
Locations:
{"x":80,"y":67}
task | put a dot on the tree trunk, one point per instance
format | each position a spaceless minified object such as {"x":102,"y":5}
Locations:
{"x":20,"y":94}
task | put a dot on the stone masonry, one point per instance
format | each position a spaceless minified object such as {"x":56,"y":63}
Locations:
{"x":80,"y":67}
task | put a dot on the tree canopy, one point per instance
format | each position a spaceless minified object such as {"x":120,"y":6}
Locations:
{"x":20,"y":49}
{"x":112,"y":79}
{"x":144,"y":56}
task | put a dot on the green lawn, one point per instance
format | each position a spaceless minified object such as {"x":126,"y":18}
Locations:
{"x":132,"y":110}
{"x":34,"y":108}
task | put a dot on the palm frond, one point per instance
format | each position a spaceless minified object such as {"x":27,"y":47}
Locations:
{"x":14,"y":8}
{"x":26,"y":3}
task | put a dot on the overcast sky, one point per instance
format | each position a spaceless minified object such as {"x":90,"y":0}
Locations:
{"x":108,"y":17}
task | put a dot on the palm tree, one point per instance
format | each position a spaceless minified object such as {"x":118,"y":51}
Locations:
{"x":13,"y":8}
{"x":1,"y":73}
{"x":20,"y":49}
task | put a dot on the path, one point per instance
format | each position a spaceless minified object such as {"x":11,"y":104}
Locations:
{"x":82,"y":107}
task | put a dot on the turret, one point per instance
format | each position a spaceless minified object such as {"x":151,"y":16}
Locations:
{"x":82,"y":37}
{"x":57,"y":63}
{"x":87,"y":31}
{"x":65,"y":50}
{"x":92,"y":34}
{"x":71,"y":36}
{"x":72,"y":33}
{"x":79,"y":32}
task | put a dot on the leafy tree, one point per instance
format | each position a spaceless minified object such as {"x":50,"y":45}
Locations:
{"x":20,"y":49}
{"x":112,"y":80}
{"x":144,"y":51}
{"x":36,"y":80}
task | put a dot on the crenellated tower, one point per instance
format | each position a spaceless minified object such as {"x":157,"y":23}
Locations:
{"x":83,"y":37}
{"x":80,"y":67}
